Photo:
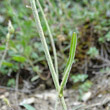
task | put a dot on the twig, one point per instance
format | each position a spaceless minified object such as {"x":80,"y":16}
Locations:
{"x":13,"y":89}
{"x":101,"y":66}
{"x":106,"y":100}
{"x":98,"y":104}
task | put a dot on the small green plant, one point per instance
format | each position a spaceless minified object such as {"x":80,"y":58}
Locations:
{"x":85,"y":87}
{"x":105,"y":70}
{"x":93,"y":52}
{"x":10,"y":32}
{"x":11,"y":82}
{"x":83,"y":84}
{"x":107,"y":36}
{"x":79,"y":78}
{"x":59,"y":87}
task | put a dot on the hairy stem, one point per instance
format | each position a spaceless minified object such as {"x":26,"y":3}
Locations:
{"x":50,"y":36}
{"x":46,"y":50}
{"x":47,"y":54}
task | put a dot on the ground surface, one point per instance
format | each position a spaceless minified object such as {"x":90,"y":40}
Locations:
{"x":97,"y":98}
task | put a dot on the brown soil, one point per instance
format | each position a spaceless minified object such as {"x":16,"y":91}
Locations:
{"x":43,"y":99}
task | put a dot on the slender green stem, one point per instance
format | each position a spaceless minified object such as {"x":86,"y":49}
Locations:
{"x":57,"y":101}
{"x":46,"y":50}
{"x":10,"y":32}
{"x":50,"y":36}
{"x":47,"y":54}
{"x":63,"y":103}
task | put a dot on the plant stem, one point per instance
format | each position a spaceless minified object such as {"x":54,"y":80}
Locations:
{"x":56,"y":103}
{"x":50,"y":36}
{"x":5,"y":52}
{"x":10,"y":32}
{"x":46,"y":50}
{"x":47,"y":54}
{"x":63,"y":103}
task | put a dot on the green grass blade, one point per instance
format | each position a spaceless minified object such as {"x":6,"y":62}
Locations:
{"x":69,"y":63}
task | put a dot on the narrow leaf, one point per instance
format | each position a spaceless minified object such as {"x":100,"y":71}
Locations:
{"x":19,"y":58}
{"x":69,"y":63}
{"x":29,"y":107}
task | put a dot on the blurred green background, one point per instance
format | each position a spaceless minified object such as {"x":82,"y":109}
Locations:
{"x":89,"y":18}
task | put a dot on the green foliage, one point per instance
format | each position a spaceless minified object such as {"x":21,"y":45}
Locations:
{"x":2,"y":47}
{"x":37,"y":69}
{"x":3,"y":70}
{"x":93,"y":52}
{"x":7,"y":64}
{"x":7,"y":102}
{"x":11,"y":82}
{"x":24,"y":51}
{"x":79,"y":78}
{"x":101,"y":39}
{"x":28,"y":107}
{"x":85,"y":86}
{"x":105,"y":70}
{"x":24,"y":41}
{"x":19,"y":58}
{"x":107,"y":36}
